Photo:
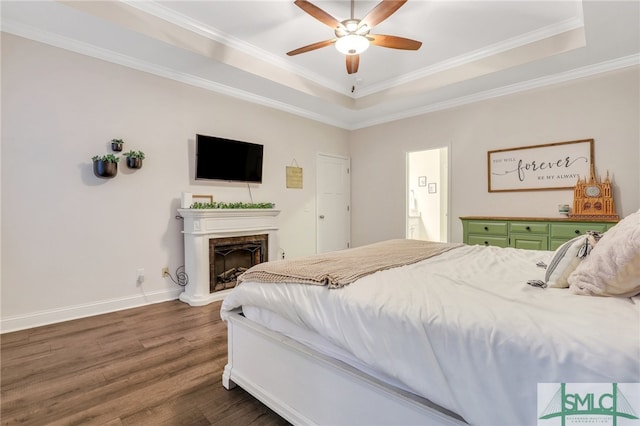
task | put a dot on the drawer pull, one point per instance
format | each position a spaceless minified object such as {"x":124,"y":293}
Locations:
{"x":486,"y":243}
{"x":486,"y":228}
{"x":577,"y":231}
{"x":528,"y":228}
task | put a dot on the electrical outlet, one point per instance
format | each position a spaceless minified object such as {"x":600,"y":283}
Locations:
{"x":165,"y":272}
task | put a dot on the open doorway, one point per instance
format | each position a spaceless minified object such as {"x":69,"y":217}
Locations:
{"x":428,"y":195}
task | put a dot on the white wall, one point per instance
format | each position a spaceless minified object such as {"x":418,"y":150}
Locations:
{"x":605,"y":108}
{"x":71,"y":242}
{"x":426,"y":163}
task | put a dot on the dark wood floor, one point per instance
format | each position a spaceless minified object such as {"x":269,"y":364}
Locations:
{"x":155,"y":365}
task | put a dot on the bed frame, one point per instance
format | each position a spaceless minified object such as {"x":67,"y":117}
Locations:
{"x":306,"y":387}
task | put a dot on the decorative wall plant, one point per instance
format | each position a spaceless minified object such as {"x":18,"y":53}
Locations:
{"x":134,"y":159}
{"x":116,"y":144}
{"x":222,"y":205}
{"x":105,"y":166}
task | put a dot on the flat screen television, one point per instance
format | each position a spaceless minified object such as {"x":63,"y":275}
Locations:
{"x":228,"y":159}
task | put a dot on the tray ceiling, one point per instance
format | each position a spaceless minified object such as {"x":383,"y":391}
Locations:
{"x":471,"y":50}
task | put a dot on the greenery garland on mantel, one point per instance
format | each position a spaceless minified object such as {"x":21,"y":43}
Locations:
{"x":217,"y":205}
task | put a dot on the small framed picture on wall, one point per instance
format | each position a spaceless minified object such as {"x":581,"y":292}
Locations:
{"x":422,"y":181}
{"x":433,"y":188}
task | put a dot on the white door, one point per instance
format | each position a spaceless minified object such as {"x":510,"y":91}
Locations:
{"x":333,"y":221}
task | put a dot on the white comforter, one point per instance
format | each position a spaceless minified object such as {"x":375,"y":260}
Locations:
{"x":464,"y":330}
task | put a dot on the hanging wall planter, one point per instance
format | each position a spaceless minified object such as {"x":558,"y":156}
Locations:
{"x":116,"y":144}
{"x":105,"y":166}
{"x":134,"y":159}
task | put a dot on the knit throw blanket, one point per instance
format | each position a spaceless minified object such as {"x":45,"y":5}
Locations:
{"x":339,"y":268}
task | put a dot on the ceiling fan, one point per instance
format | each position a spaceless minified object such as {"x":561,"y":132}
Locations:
{"x":353,"y":35}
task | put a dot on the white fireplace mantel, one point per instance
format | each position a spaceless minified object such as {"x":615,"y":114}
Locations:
{"x":201,"y":225}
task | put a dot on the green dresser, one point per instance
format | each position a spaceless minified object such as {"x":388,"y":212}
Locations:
{"x":530,"y":233}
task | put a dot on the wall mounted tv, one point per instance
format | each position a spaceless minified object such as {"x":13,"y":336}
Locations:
{"x":228,"y":159}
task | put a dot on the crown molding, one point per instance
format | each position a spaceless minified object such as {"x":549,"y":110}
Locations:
{"x":209,"y":32}
{"x":578,"y":73}
{"x":346,"y":123}
{"x":90,"y":50}
{"x":486,"y":52}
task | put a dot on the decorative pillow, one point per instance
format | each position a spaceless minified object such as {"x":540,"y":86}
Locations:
{"x":613,"y":267}
{"x":564,"y":261}
{"x":592,"y":239}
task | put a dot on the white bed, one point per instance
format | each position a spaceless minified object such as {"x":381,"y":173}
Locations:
{"x":456,"y":337}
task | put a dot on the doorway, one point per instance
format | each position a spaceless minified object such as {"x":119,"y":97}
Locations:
{"x":427,"y":202}
{"x":333,"y":215}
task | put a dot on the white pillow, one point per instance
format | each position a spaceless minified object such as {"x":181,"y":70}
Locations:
{"x":563,"y":262}
{"x":613,"y":267}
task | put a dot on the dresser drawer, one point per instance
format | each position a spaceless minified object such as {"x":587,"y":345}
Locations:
{"x":488,"y":240}
{"x":528,"y":233}
{"x":529,"y":241}
{"x":529,"y":228}
{"x":554,"y":244}
{"x":489,"y":228}
{"x":567,"y":231}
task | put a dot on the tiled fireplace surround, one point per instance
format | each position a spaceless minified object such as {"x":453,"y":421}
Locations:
{"x":203,"y":225}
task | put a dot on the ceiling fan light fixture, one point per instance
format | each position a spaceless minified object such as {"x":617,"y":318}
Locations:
{"x":351,"y":25}
{"x":362,"y":30}
{"x":352,"y":44}
{"x":352,"y":35}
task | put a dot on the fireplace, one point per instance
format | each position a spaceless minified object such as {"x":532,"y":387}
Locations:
{"x":229,"y":257}
{"x":250,"y":237}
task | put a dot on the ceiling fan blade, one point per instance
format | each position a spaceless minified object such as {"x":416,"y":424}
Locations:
{"x":317,"y":13}
{"x":311,"y":47}
{"x":382,"y":11}
{"x":394,"y":42}
{"x":353,"y":62}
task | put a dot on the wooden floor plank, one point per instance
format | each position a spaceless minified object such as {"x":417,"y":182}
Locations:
{"x":159,"y":364}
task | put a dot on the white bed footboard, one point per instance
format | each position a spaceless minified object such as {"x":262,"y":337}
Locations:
{"x":306,"y":387}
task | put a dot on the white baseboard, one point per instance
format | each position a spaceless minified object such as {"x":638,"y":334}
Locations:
{"x":204,"y":300}
{"x":36,"y":319}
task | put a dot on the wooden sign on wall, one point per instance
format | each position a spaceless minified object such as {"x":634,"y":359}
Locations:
{"x":294,"y":177}
{"x":532,"y":168}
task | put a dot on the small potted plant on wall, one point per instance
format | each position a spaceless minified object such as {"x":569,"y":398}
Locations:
{"x":105,"y":166}
{"x":134,"y":159}
{"x":116,"y":144}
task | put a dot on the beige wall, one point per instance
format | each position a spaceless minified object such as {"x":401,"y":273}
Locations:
{"x":605,"y":108}
{"x":72,"y":243}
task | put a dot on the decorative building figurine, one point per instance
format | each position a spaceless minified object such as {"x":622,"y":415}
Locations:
{"x":593,"y":199}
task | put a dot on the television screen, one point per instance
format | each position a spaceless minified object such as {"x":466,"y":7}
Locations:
{"x":227,"y":159}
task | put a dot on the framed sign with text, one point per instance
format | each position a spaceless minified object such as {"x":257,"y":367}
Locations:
{"x":533,"y":168}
